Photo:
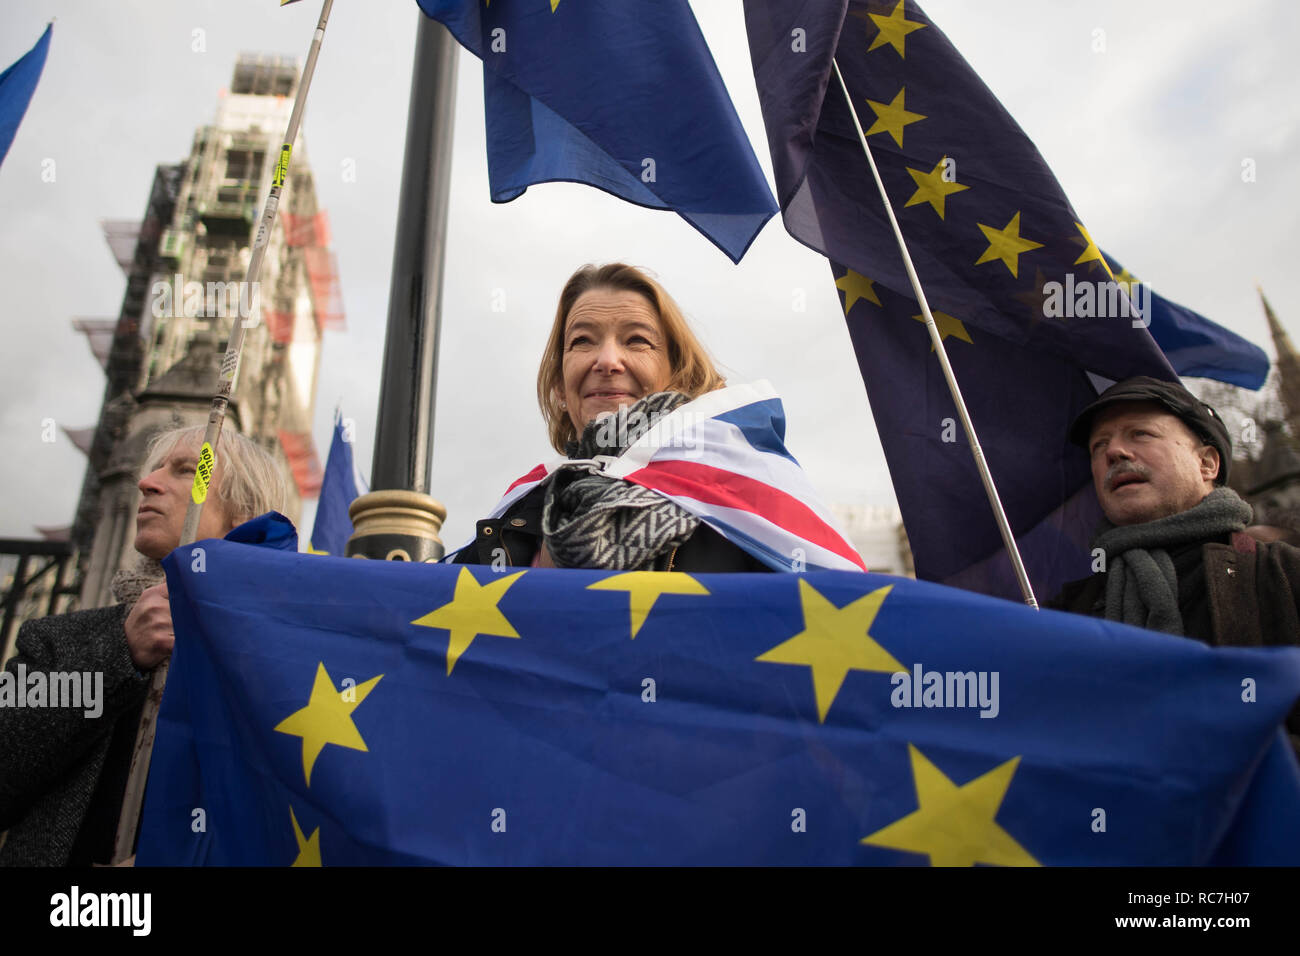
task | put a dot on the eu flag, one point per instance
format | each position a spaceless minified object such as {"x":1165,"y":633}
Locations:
{"x":331,"y":712}
{"x":1194,"y":345}
{"x":17,"y":84}
{"x":996,"y":245}
{"x":339,"y":488}
{"x":621,"y":96}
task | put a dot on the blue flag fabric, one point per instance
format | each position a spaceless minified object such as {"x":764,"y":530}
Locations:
{"x":621,"y":96}
{"x":1000,"y":254}
{"x":339,"y":488}
{"x":17,"y":84}
{"x":1194,"y":345}
{"x":335,"y":712}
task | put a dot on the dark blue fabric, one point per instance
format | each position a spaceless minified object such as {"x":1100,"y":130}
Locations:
{"x":272,"y":530}
{"x":16,"y":87}
{"x":1197,"y":347}
{"x":684,"y":745}
{"x":763,"y":425}
{"x":338,"y":490}
{"x":591,"y":91}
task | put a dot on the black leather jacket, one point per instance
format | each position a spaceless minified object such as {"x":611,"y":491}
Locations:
{"x":517,"y":534}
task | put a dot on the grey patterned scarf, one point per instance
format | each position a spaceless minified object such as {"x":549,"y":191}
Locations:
{"x":1141,"y":586}
{"x":592,"y":521}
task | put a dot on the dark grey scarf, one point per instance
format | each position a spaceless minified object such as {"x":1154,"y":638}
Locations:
{"x":592,"y":521}
{"x":1141,"y":585}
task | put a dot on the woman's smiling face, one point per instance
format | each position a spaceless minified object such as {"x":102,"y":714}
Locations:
{"x":615,"y":352}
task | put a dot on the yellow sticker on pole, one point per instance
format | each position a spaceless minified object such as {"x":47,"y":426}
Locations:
{"x":203,"y":474}
{"x":282,"y":165}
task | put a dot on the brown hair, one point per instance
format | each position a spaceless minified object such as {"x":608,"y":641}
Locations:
{"x":693,"y":371}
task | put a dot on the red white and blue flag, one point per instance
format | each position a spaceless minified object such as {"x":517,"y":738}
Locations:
{"x":722,"y":457}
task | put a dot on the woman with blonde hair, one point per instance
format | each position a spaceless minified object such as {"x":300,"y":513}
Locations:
{"x":667,"y":468}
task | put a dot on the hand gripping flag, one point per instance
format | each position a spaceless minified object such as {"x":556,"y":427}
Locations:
{"x":995,"y":243}
{"x":16,"y":87}
{"x":722,"y":457}
{"x":332,"y":712}
{"x":339,"y":488}
{"x":621,"y":96}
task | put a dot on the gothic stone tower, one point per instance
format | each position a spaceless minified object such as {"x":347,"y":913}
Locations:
{"x":184,"y":292}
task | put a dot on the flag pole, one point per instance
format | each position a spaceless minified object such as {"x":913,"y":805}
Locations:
{"x":999,"y":514}
{"x":133,"y":798}
{"x":398,"y":519}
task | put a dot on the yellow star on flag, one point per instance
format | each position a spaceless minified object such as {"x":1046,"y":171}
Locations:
{"x":1126,"y":279}
{"x":893,"y":29}
{"x":327,"y":718}
{"x":833,"y":642}
{"x":1090,"y":251}
{"x":947,"y":326}
{"x":856,"y":286}
{"x":954,"y":825}
{"x":308,"y":847}
{"x":644,"y":588}
{"x":891,"y":118}
{"x":1006,"y":244}
{"x":471,"y":611}
{"x":932,"y":187}
{"x":1034,"y":299}
{"x":312,"y":550}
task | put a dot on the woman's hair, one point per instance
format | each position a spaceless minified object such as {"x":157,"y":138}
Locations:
{"x":692,"y":370}
{"x":249,"y":480}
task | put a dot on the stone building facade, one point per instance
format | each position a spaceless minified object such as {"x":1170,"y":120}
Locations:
{"x":185,"y":264}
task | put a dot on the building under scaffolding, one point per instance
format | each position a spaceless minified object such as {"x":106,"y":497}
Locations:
{"x":185,"y":263}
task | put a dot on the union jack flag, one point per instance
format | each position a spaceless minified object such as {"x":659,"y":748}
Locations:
{"x":722,"y":457}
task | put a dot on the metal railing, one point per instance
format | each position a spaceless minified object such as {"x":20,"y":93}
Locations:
{"x":54,"y":557}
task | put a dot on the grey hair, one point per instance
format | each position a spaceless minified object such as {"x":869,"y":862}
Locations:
{"x":248,"y":480}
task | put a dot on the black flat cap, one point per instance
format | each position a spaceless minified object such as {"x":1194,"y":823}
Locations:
{"x":1203,"y":420}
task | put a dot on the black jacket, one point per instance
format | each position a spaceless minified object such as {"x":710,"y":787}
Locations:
{"x":62,"y":774}
{"x":515,"y":537}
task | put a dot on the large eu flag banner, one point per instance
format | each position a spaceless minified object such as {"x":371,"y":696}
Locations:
{"x":621,"y":96}
{"x":1004,"y":261}
{"x":324,"y":711}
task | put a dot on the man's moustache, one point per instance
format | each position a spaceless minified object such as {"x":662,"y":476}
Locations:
{"x":1126,"y":468}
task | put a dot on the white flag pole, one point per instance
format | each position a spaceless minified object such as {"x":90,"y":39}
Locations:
{"x":133,"y":798}
{"x":1008,"y":539}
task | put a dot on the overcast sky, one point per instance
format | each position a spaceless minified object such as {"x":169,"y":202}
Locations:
{"x":1147,"y":137}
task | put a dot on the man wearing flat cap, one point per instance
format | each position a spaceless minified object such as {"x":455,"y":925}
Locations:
{"x":1176,"y":555}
